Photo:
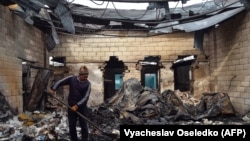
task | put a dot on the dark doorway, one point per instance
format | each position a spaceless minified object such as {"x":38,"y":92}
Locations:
{"x":113,"y":72}
{"x":183,"y":73}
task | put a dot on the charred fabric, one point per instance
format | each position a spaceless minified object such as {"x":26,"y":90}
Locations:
{"x":133,"y":104}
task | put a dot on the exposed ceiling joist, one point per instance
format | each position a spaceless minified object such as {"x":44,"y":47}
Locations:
{"x":112,"y":14}
{"x":69,"y":16}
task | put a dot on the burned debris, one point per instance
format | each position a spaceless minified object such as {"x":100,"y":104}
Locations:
{"x":138,"y":104}
{"x":133,"y":104}
{"x":6,"y":110}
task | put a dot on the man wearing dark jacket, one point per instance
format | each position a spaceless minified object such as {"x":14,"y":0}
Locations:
{"x":79,"y":91}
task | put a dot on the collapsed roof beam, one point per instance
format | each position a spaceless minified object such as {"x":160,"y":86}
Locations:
{"x":65,"y":16}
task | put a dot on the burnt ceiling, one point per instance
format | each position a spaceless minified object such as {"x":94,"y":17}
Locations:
{"x":54,"y":16}
{"x":74,"y":18}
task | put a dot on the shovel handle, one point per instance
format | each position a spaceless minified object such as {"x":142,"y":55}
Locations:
{"x":75,"y":111}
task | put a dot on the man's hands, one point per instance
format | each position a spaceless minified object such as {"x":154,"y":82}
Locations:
{"x":74,"y":108}
{"x":52,"y":92}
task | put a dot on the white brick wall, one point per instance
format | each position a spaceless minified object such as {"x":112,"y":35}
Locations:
{"x":17,"y":39}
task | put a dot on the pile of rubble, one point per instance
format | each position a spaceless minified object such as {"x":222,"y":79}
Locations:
{"x":132,"y":104}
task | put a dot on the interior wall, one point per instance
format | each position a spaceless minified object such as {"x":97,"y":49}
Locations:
{"x":17,"y":40}
{"x":94,"y":50}
{"x":226,"y":70}
{"x":229,"y":49}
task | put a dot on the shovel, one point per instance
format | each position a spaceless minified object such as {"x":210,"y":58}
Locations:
{"x":85,"y":118}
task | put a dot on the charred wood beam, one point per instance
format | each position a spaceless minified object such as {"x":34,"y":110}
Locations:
{"x":37,"y":67}
{"x":32,"y":62}
{"x":26,"y":60}
{"x":36,"y":98}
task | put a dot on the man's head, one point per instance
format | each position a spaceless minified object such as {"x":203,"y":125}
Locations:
{"x":83,"y":73}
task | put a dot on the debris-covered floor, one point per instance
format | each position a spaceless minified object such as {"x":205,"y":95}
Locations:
{"x":132,"y":104}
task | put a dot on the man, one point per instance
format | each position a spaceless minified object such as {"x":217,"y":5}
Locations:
{"x":79,"y":91}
